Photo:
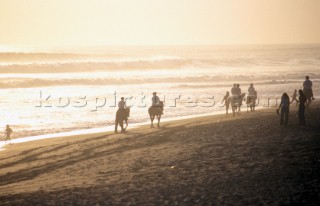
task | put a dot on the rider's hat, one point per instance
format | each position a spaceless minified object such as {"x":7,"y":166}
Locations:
{"x":154,"y":93}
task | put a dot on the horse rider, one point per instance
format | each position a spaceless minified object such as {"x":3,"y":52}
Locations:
{"x":252,"y":96}
{"x":122,"y":105}
{"x":251,"y":90}
{"x":156,"y":101}
{"x":307,"y":88}
{"x":238,"y":90}
{"x":234,"y":90}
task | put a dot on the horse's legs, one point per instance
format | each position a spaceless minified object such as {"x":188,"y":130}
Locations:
{"x":151,"y":118}
{"x":116,"y":127}
{"x":126,"y":124}
{"x":308,"y":102}
{"x":121,"y":125}
{"x":159,"y":117}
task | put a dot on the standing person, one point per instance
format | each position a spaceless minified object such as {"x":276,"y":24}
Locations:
{"x":294,"y":97}
{"x":307,"y":90}
{"x":226,"y":99}
{"x":8,"y":133}
{"x":284,"y":105}
{"x":302,"y":103}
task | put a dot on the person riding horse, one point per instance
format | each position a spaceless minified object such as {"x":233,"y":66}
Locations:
{"x":236,"y":98}
{"x":122,"y":115}
{"x":252,"y":96}
{"x":307,"y":90}
{"x":156,"y":102}
{"x":156,"y":109}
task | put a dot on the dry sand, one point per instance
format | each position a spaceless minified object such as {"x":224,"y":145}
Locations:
{"x":213,"y":160}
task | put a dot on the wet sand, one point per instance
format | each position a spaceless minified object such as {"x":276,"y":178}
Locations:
{"x":214,"y":160}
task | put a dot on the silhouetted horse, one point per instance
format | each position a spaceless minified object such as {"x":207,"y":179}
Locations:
{"x":156,"y":111}
{"x":122,"y":115}
{"x":236,"y":103}
{"x":251,"y":102}
{"x":308,"y":94}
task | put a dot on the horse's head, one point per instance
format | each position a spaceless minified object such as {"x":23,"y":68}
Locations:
{"x":161,"y":104}
{"x":128,"y":111}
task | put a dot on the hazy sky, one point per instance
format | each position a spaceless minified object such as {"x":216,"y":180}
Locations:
{"x":153,"y":22}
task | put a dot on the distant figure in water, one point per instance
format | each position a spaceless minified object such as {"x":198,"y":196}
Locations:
{"x":302,"y":103}
{"x":284,"y":106}
{"x":226,"y":99}
{"x":294,"y":97}
{"x":307,"y":90}
{"x":234,"y":90}
{"x":8,"y":133}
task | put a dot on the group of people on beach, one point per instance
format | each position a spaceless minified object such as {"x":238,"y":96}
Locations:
{"x":305,"y":98}
{"x":123,"y":112}
{"x":236,"y":95}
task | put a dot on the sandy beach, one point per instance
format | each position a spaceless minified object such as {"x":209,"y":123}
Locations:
{"x":213,"y":160}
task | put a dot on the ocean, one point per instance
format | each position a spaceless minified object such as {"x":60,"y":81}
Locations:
{"x":45,"y":91}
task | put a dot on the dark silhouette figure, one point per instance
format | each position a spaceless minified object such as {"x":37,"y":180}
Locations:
{"x":252,"y":97}
{"x":8,"y":133}
{"x":156,"y":109}
{"x":226,"y":100}
{"x":302,"y":103}
{"x":122,"y":115}
{"x":284,"y":105}
{"x":307,"y":90}
{"x":238,"y":90}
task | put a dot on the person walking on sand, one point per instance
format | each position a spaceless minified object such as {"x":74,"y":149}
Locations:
{"x":226,"y":100}
{"x":284,"y":106}
{"x":302,"y":103}
{"x":294,"y":97}
{"x":8,"y":133}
